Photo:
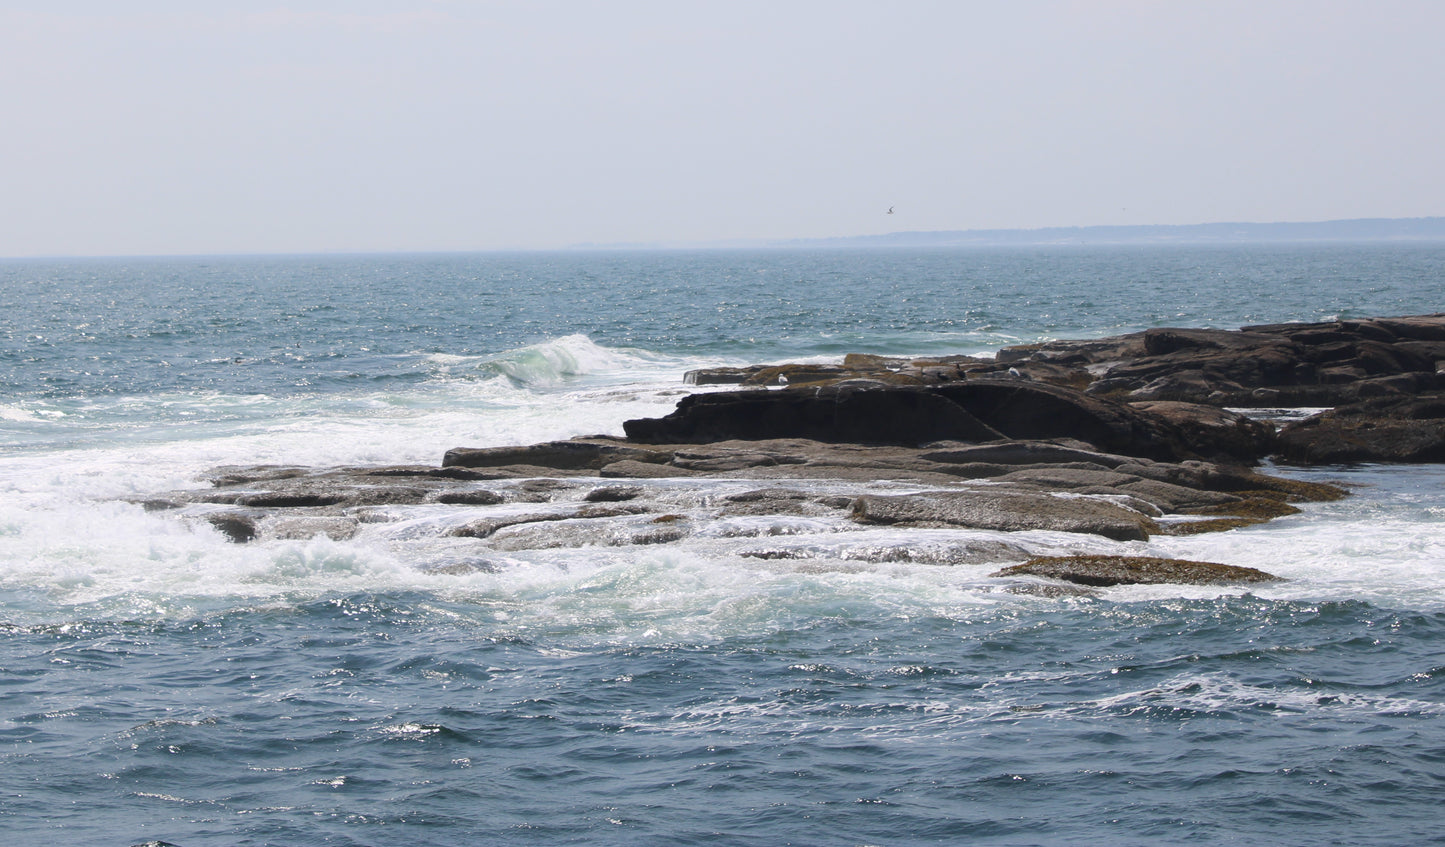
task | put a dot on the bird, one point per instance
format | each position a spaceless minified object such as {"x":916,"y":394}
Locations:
{"x":890,"y":210}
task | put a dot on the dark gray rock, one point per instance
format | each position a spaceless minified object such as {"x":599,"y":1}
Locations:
{"x":925,"y":552}
{"x":1090,"y":351}
{"x":237,"y":528}
{"x":1404,"y":430}
{"x":1212,"y":432}
{"x":1287,"y":364}
{"x":1173,"y":498}
{"x":1037,"y":411}
{"x":851,"y":412}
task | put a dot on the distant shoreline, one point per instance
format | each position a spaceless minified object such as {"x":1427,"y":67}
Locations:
{"x":1361,"y":229}
{"x":1428,"y":230}
{"x":1375,"y":230}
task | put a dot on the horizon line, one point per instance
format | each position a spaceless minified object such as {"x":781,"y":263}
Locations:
{"x":1203,"y":233}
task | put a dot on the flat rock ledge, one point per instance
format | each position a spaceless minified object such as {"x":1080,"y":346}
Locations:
{"x":1103,"y":571}
{"x":1006,"y":511}
{"x":605,"y":491}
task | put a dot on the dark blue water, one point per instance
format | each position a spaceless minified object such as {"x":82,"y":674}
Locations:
{"x":307,"y":324}
{"x":386,"y":719}
{"x":158,"y":682}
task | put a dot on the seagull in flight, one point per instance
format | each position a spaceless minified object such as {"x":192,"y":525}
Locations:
{"x":890,"y":210}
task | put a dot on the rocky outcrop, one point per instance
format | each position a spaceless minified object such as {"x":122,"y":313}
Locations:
{"x":1306,"y":364}
{"x":1387,"y":430}
{"x":1320,"y":364}
{"x":1121,"y":439}
{"x":1006,"y":486}
{"x":1160,"y":394}
{"x":974,"y":410}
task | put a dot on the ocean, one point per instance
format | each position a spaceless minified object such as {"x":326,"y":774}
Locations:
{"x":159,"y":683}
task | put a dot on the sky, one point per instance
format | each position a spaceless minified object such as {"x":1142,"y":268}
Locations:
{"x":151,"y":127}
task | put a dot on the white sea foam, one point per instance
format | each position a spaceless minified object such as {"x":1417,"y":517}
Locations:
{"x":68,"y":538}
{"x":27,"y":413}
{"x":93,"y":551}
{"x":1219,"y":692}
{"x":1384,"y":544}
{"x":559,"y":362}
{"x":66,"y":533}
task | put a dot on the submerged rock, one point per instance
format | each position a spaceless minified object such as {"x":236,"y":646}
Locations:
{"x":486,"y":527}
{"x":459,"y":566}
{"x":1134,"y":570}
{"x":923,"y":552}
{"x":301,"y":528}
{"x":613,"y":494}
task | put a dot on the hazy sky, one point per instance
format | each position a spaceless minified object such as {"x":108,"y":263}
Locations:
{"x":266,"y":126}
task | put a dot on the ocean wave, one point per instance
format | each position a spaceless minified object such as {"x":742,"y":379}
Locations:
{"x":22,"y":414}
{"x":556,"y":362}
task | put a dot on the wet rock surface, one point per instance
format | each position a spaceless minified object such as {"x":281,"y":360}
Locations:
{"x":824,"y":496}
{"x":1107,"y":441}
{"x":1006,"y":511}
{"x":1104,"y":571}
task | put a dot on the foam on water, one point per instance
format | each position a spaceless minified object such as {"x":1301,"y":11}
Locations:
{"x":113,"y":559}
{"x":762,"y":680}
{"x":1384,"y":543}
{"x":1205,"y":694}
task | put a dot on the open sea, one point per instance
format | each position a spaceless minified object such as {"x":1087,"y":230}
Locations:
{"x":160,"y":683}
